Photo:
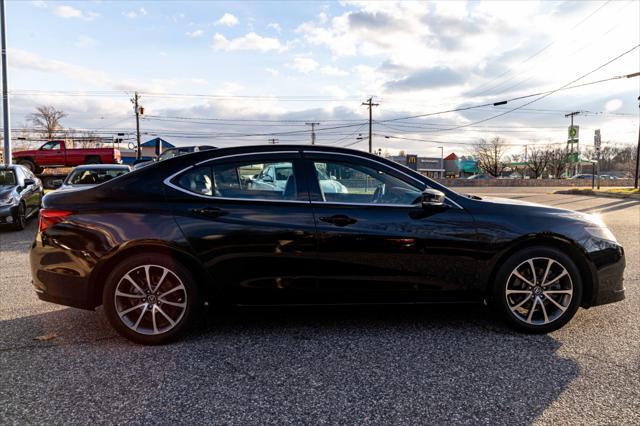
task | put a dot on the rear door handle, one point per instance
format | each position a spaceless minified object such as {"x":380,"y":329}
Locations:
{"x":339,"y":220}
{"x":212,"y":212}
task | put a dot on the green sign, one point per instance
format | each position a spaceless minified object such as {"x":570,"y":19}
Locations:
{"x":573,"y":157}
{"x":574,"y":132}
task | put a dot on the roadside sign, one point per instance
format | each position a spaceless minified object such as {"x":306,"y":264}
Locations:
{"x":574,"y":133}
{"x":597,"y":141}
{"x":573,"y":157}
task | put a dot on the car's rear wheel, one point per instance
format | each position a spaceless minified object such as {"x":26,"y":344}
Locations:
{"x":150,"y":299}
{"x":538,"y":289}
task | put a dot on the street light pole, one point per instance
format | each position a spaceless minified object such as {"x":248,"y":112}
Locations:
{"x":5,"y":89}
{"x":635,"y":183}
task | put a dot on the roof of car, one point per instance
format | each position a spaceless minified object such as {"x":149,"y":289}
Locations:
{"x":102,"y":166}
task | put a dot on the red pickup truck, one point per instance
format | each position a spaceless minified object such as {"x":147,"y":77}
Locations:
{"x":56,"y":154}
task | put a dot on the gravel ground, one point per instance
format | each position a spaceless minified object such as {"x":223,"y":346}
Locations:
{"x":454,"y":364}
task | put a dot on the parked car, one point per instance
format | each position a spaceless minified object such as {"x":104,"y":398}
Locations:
{"x":582,"y":176}
{"x":20,"y":195}
{"x":275,"y":177}
{"x":173,"y":152}
{"x":57,"y":154}
{"x":608,"y":177}
{"x":155,"y":245}
{"x":90,"y":175}
{"x":480,"y":176}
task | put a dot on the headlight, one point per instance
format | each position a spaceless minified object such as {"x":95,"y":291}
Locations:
{"x":601,"y":232}
{"x":7,"y":201}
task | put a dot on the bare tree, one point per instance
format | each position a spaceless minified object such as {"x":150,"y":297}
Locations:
{"x":47,"y":118}
{"x":538,"y":160}
{"x":557,"y":162}
{"x":490,"y":155}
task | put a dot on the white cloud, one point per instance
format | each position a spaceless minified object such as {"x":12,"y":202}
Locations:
{"x":85,"y":42}
{"x":275,"y":26}
{"x":227,"y":20}
{"x":304,"y":65}
{"x":133,"y":14}
{"x":39,"y":3}
{"x":195,"y":33}
{"x":22,"y":59}
{"x":333,"y":71}
{"x":251,"y":41}
{"x":272,"y":71}
{"x":65,"y":11}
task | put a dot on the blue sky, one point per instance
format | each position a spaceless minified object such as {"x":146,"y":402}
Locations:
{"x":413,"y":57}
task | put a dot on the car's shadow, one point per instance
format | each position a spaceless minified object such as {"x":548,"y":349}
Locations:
{"x":398,"y":364}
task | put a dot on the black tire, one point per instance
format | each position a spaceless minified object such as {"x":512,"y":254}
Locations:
{"x":20,"y":221}
{"x":28,"y":164}
{"x":540,"y":256}
{"x":112,"y":304}
{"x":92,"y":160}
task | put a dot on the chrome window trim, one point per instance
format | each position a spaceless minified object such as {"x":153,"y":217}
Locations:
{"x":167,"y":181}
{"x":382,"y":164}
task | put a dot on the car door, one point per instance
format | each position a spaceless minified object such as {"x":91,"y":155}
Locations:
{"x":376,"y":243}
{"x":51,"y":154}
{"x":257,"y":242}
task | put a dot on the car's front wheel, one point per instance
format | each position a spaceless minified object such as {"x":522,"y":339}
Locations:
{"x":538,"y":289}
{"x":150,"y":299}
{"x":20,"y":220}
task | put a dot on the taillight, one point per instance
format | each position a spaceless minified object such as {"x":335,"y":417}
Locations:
{"x":49,"y":217}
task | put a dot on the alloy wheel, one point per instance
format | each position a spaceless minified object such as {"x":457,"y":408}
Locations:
{"x":150,"y":299}
{"x":539,"y":291}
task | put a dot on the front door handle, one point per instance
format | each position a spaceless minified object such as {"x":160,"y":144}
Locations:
{"x":339,"y":220}
{"x":211,"y":212}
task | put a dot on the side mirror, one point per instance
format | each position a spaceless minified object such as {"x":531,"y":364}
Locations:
{"x":56,"y":183}
{"x":267,"y":178}
{"x":432,"y":198}
{"x":28,"y":182}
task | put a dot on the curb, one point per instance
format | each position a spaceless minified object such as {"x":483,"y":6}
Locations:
{"x":597,"y":193}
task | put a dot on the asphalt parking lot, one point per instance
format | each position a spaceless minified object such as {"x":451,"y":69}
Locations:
{"x":420,"y":364}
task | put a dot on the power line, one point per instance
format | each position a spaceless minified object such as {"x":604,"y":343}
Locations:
{"x":504,"y":102}
{"x":542,"y":96}
{"x":510,"y":69}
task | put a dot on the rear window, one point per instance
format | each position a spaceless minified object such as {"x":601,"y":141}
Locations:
{"x":93,"y":176}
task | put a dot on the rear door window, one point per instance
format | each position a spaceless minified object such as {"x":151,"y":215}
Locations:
{"x":242,"y":180}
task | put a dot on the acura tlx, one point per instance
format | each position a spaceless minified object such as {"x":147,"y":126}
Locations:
{"x":263,"y":225}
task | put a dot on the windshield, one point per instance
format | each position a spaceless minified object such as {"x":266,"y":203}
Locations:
{"x":93,"y":176}
{"x":7,"y":178}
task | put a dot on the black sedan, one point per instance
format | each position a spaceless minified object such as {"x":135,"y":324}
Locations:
{"x":20,"y":195}
{"x":156,"y":245}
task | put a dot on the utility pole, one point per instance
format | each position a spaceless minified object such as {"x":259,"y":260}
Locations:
{"x":138,"y":110}
{"x":313,"y":132}
{"x":370,"y":104}
{"x":441,"y":161}
{"x":571,"y":141}
{"x":635,"y":183}
{"x":273,"y":141}
{"x":5,"y":90}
